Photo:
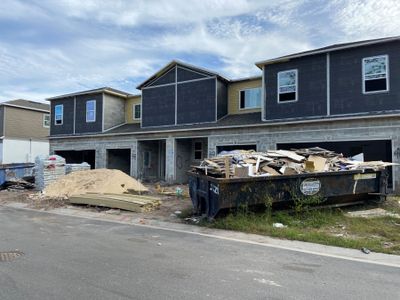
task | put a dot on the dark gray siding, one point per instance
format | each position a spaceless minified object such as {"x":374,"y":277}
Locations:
{"x":311,"y":72}
{"x":1,"y":120}
{"x":196,"y":101}
{"x":168,"y":77}
{"x":68,"y":119}
{"x":81,"y":126}
{"x":184,"y":75}
{"x":158,"y":106}
{"x":346,"y":80}
{"x":222,"y":99}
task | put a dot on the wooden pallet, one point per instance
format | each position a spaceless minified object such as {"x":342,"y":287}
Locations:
{"x":136,"y":203}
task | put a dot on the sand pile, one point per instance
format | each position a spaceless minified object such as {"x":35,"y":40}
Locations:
{"x":93,"y":181}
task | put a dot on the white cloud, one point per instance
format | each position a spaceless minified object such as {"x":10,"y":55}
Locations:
{"x":363,"y":19}
{"x":68,"y":45}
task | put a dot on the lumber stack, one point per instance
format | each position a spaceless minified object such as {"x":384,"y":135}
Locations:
{"x":243,"y":163}
{"x":136,"y":203}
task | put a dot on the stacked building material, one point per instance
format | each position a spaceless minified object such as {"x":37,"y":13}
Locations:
{"x":136,"y":203}
{"x":69,"y":168}
{"x":48,"y":169}
{"x":242,"y":163}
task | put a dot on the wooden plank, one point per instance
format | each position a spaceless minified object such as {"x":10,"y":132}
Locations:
{"x":227,"y":168}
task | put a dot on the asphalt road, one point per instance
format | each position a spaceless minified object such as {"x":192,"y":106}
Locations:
{"x":75,"y":258}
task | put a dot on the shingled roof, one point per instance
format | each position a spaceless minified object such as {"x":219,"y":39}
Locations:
{"x":27,"y":104}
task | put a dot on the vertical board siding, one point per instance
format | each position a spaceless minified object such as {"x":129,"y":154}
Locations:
{"x":346,"y":80}
{"x":196,"y":101}
{"x":222,"y":98}
{"x":168,"y":77}
{"x":1,"y":121}
{"x":312,"y":86}
{"x":158,"y":106}
{"x":233,"y":95}
{"x":81,"y":126}
{"x":68,"y":120}
{"x":184,"y":75}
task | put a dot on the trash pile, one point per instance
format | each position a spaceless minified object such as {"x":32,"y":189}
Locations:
{"x":48,"y":169}
{"x":244,"y":163}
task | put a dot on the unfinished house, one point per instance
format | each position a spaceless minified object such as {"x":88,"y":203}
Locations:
{"x":24,"y":127}
{"x":343,"y":97}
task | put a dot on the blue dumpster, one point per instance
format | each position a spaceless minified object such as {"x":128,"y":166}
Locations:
{"x":19,"y":170}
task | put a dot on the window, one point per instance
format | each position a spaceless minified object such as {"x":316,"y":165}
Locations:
{"x":46,"y":120}
{"x":136,"y":111}
{"x":375,"y":74}
{"x":58,"y":114}
{"x":146,"y":159}
{"x":250,"y":98}
{"x":91,"y":111}
{"x":198,"y":150}
{"x":287,"y":86}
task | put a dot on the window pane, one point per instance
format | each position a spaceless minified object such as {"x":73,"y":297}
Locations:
{"x":250,"y":98}
{"x":90,"y":105}
{"x":375,"y":85}
{"x":137,"y":111}
{"x":197,"y":155}
{"x":58,"y":110}
{"x":287,"y":97}
{"x":375,"y":67}
{"x":287,"y":78}
{"x":90,"y":115}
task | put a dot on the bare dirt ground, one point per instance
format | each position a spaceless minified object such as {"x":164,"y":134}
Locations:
{"x":171,"y":203}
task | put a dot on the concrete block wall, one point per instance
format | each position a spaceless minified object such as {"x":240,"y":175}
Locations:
{"x":100,"y":145}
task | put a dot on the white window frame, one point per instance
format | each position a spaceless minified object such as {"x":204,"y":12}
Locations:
{"x":44,"y":120}
{"x":363,"y":74}
{"x":134,"y":111}
{"x":244,"y":90}
{"x":296,"y":83}
{"x":62,"y":114}
{"x":94,"y":111}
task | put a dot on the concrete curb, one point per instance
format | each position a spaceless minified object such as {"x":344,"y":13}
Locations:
{"x":259,"y":240}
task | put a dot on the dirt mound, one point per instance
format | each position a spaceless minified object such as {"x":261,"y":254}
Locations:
{"x":93,"y":181}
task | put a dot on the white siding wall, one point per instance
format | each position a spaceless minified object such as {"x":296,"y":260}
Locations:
{"x":21,"y":151}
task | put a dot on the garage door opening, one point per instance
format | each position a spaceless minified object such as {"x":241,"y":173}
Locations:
{"x":236,"y":147}
{"x":372,"y":150}
{"x":119,"y":159}
{"x":77,"y":157}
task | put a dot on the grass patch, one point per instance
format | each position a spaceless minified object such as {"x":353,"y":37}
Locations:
{"x":328,"y":227}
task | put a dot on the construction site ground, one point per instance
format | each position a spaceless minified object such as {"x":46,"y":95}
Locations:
{"x":170,"y":209}
{"x":375,"y":227}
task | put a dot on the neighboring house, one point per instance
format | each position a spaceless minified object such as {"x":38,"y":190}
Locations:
{"x":24,"y":127}
{"x":343,"y":97}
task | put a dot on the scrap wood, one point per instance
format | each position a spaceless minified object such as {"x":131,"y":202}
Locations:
{"x":278,"y":162}
{"x":318,"y":161}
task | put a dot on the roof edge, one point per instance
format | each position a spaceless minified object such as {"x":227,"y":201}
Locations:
{"x":332,"y":48}
{"x":107,"y":90}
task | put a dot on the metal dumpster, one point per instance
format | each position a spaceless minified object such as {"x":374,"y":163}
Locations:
{"x":210,"y":195}
{"x":8,"y":171}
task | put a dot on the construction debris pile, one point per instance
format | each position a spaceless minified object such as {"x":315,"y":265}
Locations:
{"x":102,"y":187}
{"x":243,"y":163}
{"x":101,"y":181}
{"x":48,"y":169}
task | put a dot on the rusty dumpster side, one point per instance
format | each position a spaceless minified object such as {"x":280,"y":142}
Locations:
{"x":210,"y":195}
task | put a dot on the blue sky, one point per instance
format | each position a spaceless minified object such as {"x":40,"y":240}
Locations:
{"x":52,"y":47}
